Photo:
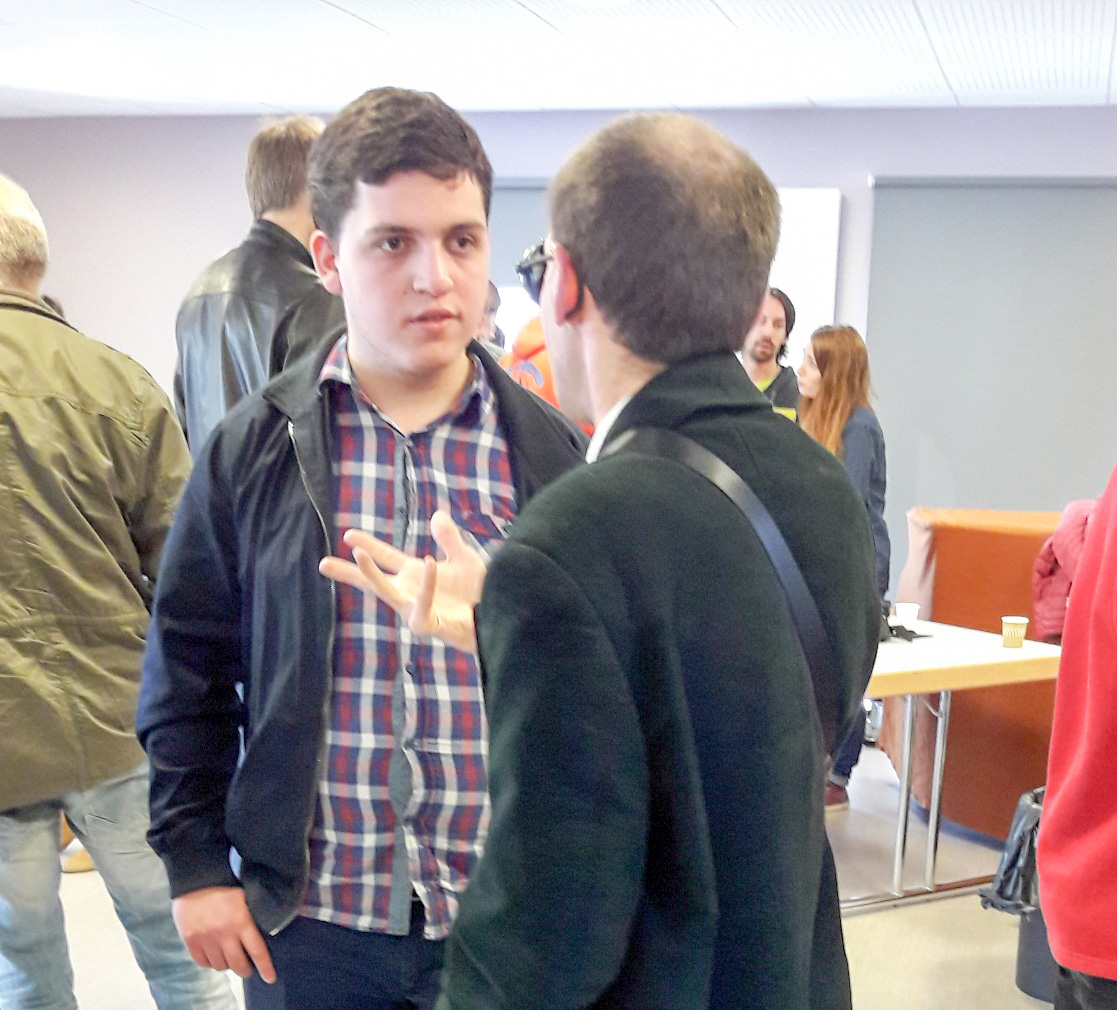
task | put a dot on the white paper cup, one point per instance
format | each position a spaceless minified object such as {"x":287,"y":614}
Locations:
{"x":1013,"y":630}
{"x":907,"y":613}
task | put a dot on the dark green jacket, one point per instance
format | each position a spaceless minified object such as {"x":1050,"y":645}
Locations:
{"x":92,"y":462}
{"x":631,"y":632}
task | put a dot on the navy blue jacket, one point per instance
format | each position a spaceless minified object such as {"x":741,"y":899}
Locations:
{"x":241,"y":637}
{"x":863,"y":457}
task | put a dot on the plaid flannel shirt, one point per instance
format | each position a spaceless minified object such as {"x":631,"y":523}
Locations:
{"x":403,"y":805}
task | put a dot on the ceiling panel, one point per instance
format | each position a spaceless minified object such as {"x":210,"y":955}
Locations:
{"x":66,"y":17}
{"x":74,"y":56}
{"x":1001,"y":50}
{"x":849,"y":52}
{"x":421,"y":19}
{"x":254,"y":21}
{"x":633,"y":21}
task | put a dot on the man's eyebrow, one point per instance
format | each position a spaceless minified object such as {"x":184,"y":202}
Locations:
{"x":390,"y":230}
{"x":383,"y":230}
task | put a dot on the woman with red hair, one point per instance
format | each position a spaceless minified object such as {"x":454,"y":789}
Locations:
{"x":834,"y":410}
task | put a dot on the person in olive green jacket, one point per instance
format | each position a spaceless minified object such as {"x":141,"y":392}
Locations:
{"x":92,"y":461}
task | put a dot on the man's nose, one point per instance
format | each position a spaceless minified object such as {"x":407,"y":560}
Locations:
{"x":432,"y":270}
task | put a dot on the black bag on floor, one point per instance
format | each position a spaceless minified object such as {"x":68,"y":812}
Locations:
{"x":1015,"y":888}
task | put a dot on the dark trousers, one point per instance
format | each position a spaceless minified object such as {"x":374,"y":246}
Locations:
{"x":848,"y":749}
{"x":1076,"y":991}
{"x":321,"y":966}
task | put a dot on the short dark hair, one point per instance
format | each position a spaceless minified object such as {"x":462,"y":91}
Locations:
{"x":386,"y":131}
{"x":275,"y":176}
{"x":672,"y":228}
{"x":789,"y":320}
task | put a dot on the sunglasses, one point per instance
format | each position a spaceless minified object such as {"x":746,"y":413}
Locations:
{"x":531,"y":268}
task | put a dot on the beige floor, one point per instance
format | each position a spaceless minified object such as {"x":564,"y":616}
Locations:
{"x":947,"y":954}
{"x":864,"y":837}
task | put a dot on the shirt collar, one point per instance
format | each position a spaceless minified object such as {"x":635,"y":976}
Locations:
{"x":601,"y":430}
{"x":477,"y":394}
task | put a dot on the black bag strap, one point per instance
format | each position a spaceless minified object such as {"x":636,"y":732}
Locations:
{"x":671,"y":445}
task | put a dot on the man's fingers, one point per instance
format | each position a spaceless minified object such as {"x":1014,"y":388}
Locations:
{"x":198,"y":952}
{"x":341,"y":570}
{"x":385,"y":555}
{"x":211,"y":953}
{"x":234,"y":956}
{"x":466,"y":563}
{"x":446,"y":534}
{"x":258,"y":950}
{"x":365,"y":574}
{"x":379,"y":583}
{"x":423,"y":620}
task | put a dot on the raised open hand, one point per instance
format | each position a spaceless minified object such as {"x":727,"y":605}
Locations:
{"x":435,"y":598}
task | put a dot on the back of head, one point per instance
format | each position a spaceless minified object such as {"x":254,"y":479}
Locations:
{"x":672,"y":228}
{"x":275,"y":176}
{"x":23,"y":239}
{"x":382,"y":133}
{"x":843,"y":365}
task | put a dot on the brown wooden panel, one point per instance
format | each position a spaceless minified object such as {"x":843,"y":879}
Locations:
{"x":970,"y":568}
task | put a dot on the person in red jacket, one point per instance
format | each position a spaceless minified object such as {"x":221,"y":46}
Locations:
{"x":1077,"y":846}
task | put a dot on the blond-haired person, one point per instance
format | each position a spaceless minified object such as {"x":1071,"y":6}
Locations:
{"x":93,"y":465}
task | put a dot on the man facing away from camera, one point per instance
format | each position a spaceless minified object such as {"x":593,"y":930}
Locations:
{"x":260,"y":306}
{"x":93,"y":464}
{"x":657,"y":837}
{"x":360,"y":804}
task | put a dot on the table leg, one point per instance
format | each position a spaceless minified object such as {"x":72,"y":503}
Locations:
{"x":905,"y":796}
{"x":934,"y":811}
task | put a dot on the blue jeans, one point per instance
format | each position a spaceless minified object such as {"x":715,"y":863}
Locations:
{"x":111,"y":821}
{"x":321,"y":966}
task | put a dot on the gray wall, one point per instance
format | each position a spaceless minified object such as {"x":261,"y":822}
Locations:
{"x":992,"y":312}
{"x":136,"y":206}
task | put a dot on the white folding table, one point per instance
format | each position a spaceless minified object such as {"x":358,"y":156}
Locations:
{"x":949,"y":659}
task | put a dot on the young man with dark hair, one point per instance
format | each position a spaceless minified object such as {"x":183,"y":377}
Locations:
{"x":657,"y":836}
{"x":359,"y":806}
{"x":765,"y":349}
{"x":261,"y":306}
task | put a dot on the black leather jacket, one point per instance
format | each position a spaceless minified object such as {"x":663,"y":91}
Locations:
{"x":251,"y":313}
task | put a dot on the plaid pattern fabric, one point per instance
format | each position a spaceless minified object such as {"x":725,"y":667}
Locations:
{"x":403,"y":795}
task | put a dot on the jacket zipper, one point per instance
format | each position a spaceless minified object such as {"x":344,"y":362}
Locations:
{"x":329,"y":675}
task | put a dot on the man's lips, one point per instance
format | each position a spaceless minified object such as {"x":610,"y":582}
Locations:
{"x":434,"y":316}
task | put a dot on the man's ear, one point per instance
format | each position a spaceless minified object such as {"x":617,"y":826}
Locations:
{"x":568,"y":304}
{"x":325,"y":261}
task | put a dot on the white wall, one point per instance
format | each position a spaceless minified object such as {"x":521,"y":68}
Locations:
{"x":135,"y":207}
